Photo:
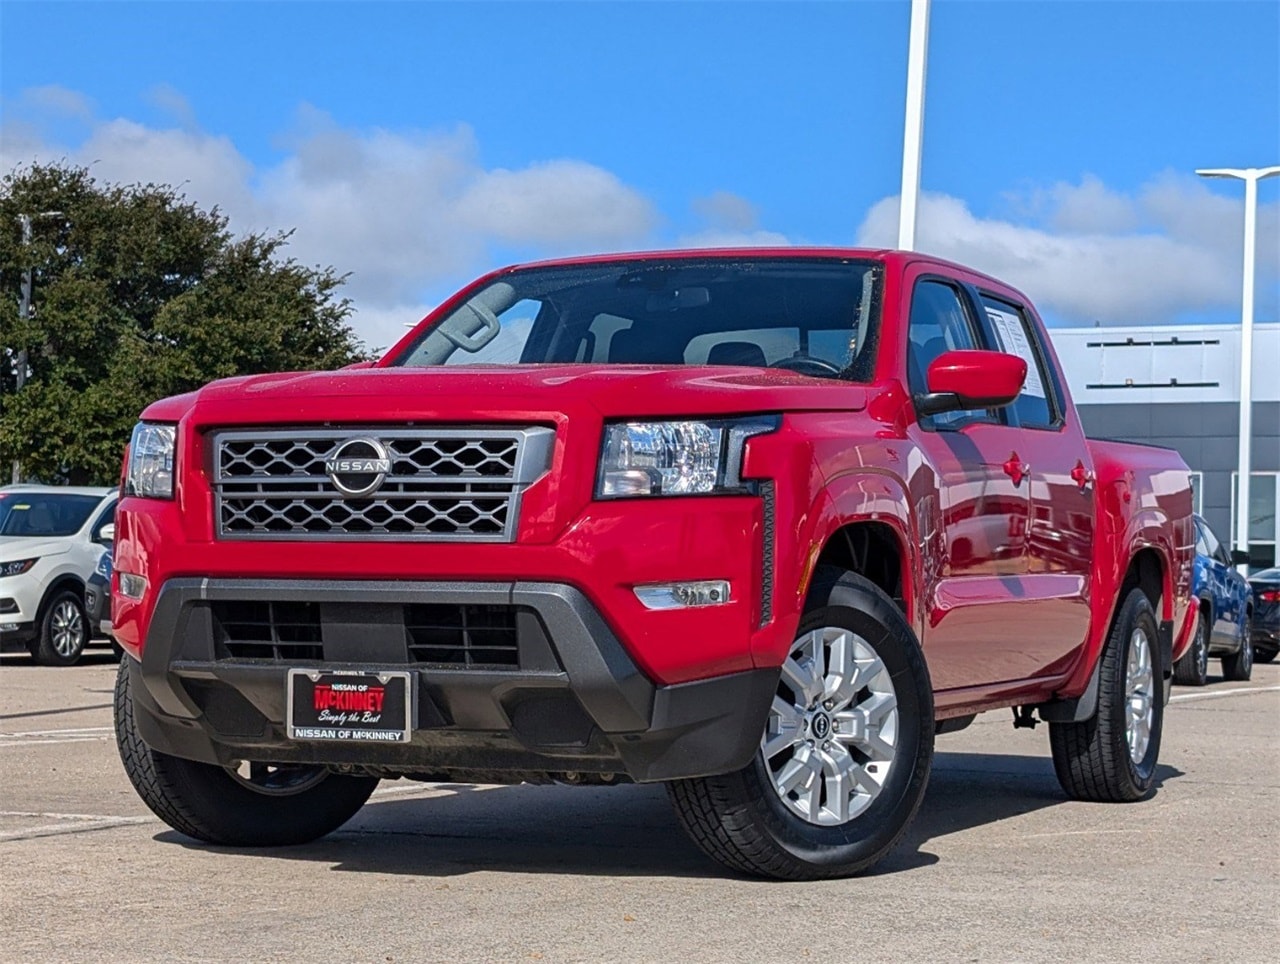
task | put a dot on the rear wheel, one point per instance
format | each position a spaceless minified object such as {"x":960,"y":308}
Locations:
{"x":251,"y":805}
{"x":1193,"y":668}
{"x":63,"y":631}
{"x":846,"y":750}
{"x":1239,"y":665}
{"x":1112,"y":757}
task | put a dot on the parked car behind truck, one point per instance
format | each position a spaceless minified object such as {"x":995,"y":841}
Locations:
{"x":1225,"y":609}
{"x":752,"y":523}
{"x":50,"y":540}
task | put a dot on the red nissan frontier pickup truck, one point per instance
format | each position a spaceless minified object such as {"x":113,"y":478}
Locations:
{"x":753,"y":523}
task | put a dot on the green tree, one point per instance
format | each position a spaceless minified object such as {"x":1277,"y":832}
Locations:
{"x":140,"y":294}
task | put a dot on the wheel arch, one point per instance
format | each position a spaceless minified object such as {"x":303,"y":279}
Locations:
{"x":875,"y":550}
{"x":65,"y":581}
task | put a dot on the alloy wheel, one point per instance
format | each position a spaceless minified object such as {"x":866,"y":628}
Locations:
{"x":1139,"y":696}
{"x":66,"y":629}
{"x":276,"y":779}
{"x":832,"y":732}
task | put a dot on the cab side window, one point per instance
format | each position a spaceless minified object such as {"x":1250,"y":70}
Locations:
{"x":1013,"y":334}
{"x":939,"y":323}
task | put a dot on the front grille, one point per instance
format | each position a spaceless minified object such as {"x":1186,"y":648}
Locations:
{"x":434,"y":484}
{"x":465,"y":635}
{"x":440,"y":634}
{"x":281,"y":631}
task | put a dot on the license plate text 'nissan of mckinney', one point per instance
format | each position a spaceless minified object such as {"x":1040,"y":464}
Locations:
{"x":349,"y":705}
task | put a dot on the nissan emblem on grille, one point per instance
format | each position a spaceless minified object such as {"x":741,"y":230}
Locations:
{"x":358,"y":467}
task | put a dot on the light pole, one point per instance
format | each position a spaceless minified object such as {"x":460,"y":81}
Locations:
{"x":913,"y":131}
{"x":1251,"y":176}
{"x":24,"y":313}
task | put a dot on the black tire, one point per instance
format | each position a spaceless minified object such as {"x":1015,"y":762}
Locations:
{"x":208,"y":803}
{"x":1093,"y":758}
{"x":1238,"y":666}
{"x":1264,"y":654}
{"x":1193,"y":668}
{"x":740,"y":820}
{"x":63,"y":631}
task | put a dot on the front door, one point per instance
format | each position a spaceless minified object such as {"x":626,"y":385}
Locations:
{"x":973,"y":511}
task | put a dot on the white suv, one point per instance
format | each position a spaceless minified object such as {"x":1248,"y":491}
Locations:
{"x":51,"y":538}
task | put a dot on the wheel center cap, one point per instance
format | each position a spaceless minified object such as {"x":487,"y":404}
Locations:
{"x":820,"y":725}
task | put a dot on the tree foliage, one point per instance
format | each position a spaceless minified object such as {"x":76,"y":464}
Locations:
{"x":139,"y":294}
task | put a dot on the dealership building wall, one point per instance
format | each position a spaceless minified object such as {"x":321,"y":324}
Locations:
{"x":1179,"y":386}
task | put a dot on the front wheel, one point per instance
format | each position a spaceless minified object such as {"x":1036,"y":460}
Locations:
{"x":63,"y":631}
{"x":253,"y":805}
{"x":846,"y":750}
{"x":1239,"y":665}
{"x":1193,"y":668}
{"x":1112,"y":757}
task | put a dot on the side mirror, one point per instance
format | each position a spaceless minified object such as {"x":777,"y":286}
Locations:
{"x":107,"y":533}
{"x":965,"y":379}
{"x":1239,"y":557}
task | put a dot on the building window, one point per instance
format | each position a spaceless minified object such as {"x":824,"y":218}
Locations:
{"x":1264,"y":523}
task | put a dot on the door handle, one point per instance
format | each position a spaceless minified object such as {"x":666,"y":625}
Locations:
{"x":1016,"y":469}
{"x":1081,"y":476}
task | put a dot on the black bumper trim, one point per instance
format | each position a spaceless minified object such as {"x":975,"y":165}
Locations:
{"x":595,"y":712}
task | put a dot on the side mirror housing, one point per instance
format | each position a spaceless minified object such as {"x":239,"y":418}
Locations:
{"x":965,"y":379}
{"x":107,"y":533}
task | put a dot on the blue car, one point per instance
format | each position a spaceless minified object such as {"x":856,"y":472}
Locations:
{"x":1226,"y":611}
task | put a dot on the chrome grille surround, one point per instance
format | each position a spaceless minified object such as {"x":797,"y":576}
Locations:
{"x":445,"y":484}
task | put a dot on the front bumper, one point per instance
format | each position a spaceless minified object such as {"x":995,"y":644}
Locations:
{"x":571,"y":702}
{"x":16,"y":638}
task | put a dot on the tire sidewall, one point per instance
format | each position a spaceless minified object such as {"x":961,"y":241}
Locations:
{"x":1202,"y":650}
{"x":864,"y":838}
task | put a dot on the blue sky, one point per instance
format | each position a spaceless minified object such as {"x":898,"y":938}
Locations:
{"x":416,"y":144}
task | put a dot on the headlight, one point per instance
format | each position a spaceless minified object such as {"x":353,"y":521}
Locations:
{"x":104,"y":566}
{"x":150,"y":471}
{"x":16,"y":568}
{"x":676,"y":458}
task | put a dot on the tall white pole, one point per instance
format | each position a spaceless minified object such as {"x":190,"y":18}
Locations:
{"x":1244,"y":457}
{"x":913,"y":134}
{"x":1251,"y":176}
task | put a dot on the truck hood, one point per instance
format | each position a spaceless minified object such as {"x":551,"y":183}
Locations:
{"x":506,"y":392}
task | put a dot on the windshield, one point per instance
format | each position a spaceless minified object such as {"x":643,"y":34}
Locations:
{"x":817,"y":317}
{"x":44,"y":514}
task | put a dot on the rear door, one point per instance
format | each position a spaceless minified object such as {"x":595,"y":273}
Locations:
{"x":1228,"y":601}
{"x":973,"y":507}
{"x":1060,"y":531}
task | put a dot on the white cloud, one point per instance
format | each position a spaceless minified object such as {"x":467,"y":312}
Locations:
{"x":401,"y":212}
{"x":409,"y":214}
{"x":722,"y":238}
{"x":1171,"y":249}
{"x":56,"y":101}
{"x":732,"y":222}
{"x":726,"y":210}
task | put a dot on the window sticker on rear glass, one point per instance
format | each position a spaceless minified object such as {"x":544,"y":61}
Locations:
{"x":1013,"y":341}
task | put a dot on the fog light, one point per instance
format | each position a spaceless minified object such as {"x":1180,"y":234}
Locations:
{"x":9,"y":627}
{"x":135,"y":587}
{"x":684,"y":595}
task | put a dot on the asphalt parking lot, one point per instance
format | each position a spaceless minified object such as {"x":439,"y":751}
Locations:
{"x":998,"y":867}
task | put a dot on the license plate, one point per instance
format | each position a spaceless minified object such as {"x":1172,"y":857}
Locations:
{"x":349,"y":706}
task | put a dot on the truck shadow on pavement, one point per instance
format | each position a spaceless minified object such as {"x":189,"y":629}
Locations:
{"x":628,"y":830}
